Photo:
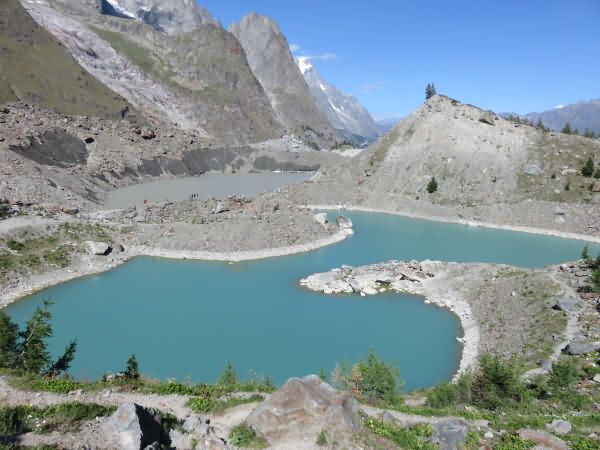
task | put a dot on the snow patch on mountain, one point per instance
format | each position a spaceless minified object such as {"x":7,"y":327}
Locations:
{"x":120,"y":10}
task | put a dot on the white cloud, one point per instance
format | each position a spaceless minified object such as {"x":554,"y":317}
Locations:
{"x":371,"y":87}
{"x":324,"y":56}
{"x":294,"y":48}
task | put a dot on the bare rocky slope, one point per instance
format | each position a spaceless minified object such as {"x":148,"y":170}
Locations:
{"x":198,"y":80}
{"x":35,"y":67}
{"x":271,"y":61}
{"x":487,"y":168}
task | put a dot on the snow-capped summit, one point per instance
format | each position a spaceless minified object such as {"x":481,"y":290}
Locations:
{"x":304,"y":64}
{"x":172,"y":17}
{"x":344,"y":111}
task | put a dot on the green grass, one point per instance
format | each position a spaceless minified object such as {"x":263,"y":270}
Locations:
{"x":36,"y":68}
{"x":138,"y":55}
{"x":65,"y":416}
{"x":204,"y":404}
{"x":412,"y":437}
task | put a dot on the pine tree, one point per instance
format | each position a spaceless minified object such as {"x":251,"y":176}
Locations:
{"x":588,"y":169}
{"x":567,"y":129}
{"x":9,"y":333}
{"x":63,"y":363}
{"x":33,"y":355}
{"x":430,"y":91}
{"x":432,"y":186}
{"x":228,"y":377}
{"x":132,"y":372}
{"x":541,"y":126}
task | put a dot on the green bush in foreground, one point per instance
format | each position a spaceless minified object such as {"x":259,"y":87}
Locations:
{"x":244,"y":436}
{"x":321,"y":439}
{"x":405,"y":437}
{"x":432,"y":186}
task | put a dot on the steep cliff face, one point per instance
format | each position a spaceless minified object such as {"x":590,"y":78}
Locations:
{"x":271,"y":61}
{"x":35,"y":68}
{"x":199,"y":81}
{"x":343,"y":111}
{"x":172,"y":16}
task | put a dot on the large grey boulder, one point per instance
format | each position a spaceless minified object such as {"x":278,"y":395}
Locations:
{"x":131,"y":427}
{"x":343,"y":222}
{"x":581,"y":348}
{"x":304,"y":407}
{"x":451,"y":433}
{"x":566,"y":304}
{"x":98,"y":248}
{"x":559,"y":426}
{"x":543,"y":440}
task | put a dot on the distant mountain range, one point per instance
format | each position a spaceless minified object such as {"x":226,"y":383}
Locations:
{"x":386,"y":125}
{"x":581,"y":116}
{"x":345,"y":113}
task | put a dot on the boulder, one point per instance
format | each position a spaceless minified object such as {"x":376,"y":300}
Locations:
{"x":531,"y":169}
{"x":387,"y":417}
{"x":321,"y":218}
{"x":543,"y":439}
{"x":343,"y":222}
{"x":451,"y":433}
{"x":559,"y":426}
{"x":304,"y":407}
{"x":355,"y":285}
{"x":596,"y":378}
{"x":558,"y":211}
{"x":581,"y":348}
{"x":99,"y":248}
{"x":132,"y":427}
{"x":565,"y":304}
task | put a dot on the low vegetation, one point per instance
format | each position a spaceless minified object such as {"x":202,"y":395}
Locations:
{"x":62,"y":417}
{"x":245,"y":437}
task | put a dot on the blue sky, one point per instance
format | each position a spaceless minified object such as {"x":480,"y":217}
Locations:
{"x":520,"y":56}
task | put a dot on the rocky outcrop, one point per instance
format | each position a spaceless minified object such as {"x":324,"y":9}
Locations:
{"x":271,"y":61}
{"x":543,"y":440}
{"x":99,"y":248}
{"x":132,"y":427}
{"x":303,"y":408}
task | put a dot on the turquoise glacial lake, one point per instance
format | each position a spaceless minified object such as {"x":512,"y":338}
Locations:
{"x":185,"y":319}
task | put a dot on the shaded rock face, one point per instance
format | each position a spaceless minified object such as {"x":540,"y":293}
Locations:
{"x":132,"y":427}
{"x":54,"y":148}
{"x":451,"y":434}
{"x":171,"y":16}
{"x":304,"y":407}
{"x":271,"y":61}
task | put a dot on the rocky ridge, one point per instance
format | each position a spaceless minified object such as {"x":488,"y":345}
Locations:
{"x":488,"y":170}
{"x":271,"y":61}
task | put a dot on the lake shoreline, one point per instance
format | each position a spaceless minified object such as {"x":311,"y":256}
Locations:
{"x":94,"y":265}
{"x":403,"y":279}
{"x":458,"y":221}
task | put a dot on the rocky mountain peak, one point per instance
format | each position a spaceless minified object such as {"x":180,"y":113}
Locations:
{"x":271,"y":61}
{"x":351,"y":119}
{"x":171,"y":16}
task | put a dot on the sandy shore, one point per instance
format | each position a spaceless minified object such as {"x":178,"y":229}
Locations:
{"x":91,"y":265}
{"x":471,"y":223}
{"x":406,"y":278}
